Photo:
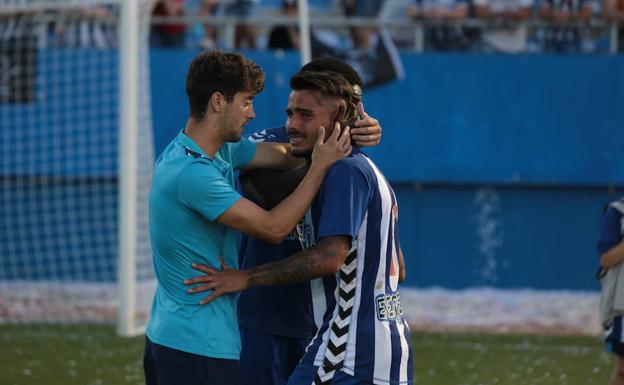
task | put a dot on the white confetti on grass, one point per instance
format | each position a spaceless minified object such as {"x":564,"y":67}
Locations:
{"x":431,"y":309}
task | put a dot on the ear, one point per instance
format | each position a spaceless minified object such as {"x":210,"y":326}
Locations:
{"x":216,"y":101}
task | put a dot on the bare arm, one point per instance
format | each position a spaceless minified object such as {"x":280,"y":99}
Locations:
{"x":613,"y":257}
{"x":323,"y":259}
{"x":402,"y":272}
{"x":277,"y":223}
{"x":273,"y":156}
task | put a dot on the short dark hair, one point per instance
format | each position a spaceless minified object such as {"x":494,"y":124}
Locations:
{"x":329,"y":63}
{"x":224,"y":72}
{"x":329,"y":84}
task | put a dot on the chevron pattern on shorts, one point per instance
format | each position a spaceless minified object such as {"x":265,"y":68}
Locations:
{"x":339,"y":334}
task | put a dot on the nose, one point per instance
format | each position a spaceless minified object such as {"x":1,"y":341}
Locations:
{"x":289,"y":123}
{"x":252,"y":113}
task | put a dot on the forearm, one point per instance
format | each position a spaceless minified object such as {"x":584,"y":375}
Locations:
{"x":282,"y":218}
{"x":301,"y":267}
{"x":613,"y":257}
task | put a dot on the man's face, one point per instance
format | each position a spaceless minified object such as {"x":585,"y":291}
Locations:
{"x":235,"y":116}
{"x":305,"y":114}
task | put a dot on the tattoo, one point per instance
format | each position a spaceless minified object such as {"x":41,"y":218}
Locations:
{"x":325,"y":258}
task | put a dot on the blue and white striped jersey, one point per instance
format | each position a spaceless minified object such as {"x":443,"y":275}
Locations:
{"x":364,"y":333}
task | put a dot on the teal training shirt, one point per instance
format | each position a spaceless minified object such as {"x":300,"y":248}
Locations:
{"x":189,"y":191}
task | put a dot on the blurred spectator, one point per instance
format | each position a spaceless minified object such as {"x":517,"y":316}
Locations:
{"x":362,"y":36}
{"x":209,"y":8}
{"x":565,"y":35}
{"x":510,"y":37}
{"x":83,"y":27}
{"x":614,"y":11}
{"x":285,"y":36}
{"x":442,"y":37}
{"x":244,"y":33}
{"x":168,"y":35}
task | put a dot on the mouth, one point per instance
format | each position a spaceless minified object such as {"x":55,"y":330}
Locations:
{"x":296,"y":139}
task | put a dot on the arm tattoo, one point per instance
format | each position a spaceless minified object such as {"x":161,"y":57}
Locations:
{"x":317,"y":261}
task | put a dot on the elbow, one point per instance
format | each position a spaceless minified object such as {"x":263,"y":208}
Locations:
{"x":271,"y":237}
{"x":273,"y":234}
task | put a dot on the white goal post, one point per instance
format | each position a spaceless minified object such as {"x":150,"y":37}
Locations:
{"x":76,"y":154}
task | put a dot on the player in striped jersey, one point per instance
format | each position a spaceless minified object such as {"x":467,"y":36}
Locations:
{"x":274,"y":336}
{"x":364,"y":338}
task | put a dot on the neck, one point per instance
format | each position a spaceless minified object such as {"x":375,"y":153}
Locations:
{"x":204,"y":133}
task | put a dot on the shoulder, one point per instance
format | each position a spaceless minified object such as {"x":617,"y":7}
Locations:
{"x":276,"y":134}
{"x":197,"y":169}
{"x":353,"y":168}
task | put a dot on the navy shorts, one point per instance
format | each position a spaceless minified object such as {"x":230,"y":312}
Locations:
{"x":268,"y":359}
{"x":304,"y":375}
{"x":614,"y":339}
{"x":166,"y":366}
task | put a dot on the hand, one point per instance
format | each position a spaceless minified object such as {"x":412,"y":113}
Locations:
{"x":227,"y":280}
{"x":337,"y":146}
{"x":367,"y":131}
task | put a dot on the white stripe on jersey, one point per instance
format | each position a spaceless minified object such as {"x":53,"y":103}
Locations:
{"x":320,"y":354}
{"x":383,"y":339}
{"x":319,"y":302}
{"x":361,"y":250}
{"x":383,"y":346}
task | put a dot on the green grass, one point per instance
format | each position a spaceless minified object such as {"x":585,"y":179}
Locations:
{"x":93,"y":355}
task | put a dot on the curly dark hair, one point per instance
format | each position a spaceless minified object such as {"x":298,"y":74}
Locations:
{"x":224,"y":72}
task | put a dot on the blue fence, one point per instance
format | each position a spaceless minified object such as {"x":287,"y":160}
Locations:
{"x":501,"y":164}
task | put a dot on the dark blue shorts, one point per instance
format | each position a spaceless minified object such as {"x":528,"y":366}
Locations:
{"x":304,"y":375}
{"x":268,"y":359}
{"x":614,"y":338}
{"x":166,"y":366}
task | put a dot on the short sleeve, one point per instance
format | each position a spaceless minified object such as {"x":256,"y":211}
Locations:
{"x":345,"y":196}
{"x":202,"y":188}
{"x":611,"y":231}
{"x":242,"y":153}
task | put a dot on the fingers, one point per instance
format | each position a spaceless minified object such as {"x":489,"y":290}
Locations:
{"x":203,"y":268}
{"x":200,"y":289}
{"x":321,"y":136}
{"x":366,"y":140}
{"x":345,"y":141}
{"x":335,"y":135}
{"x":360,"y":110}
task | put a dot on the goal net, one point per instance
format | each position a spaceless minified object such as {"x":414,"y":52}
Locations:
{"x":61,"y":93}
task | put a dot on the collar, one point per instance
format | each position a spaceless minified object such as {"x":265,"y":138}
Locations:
{"x":191,"y":147}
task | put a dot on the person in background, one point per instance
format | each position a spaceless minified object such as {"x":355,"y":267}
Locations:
{"x":564,"y":36}
{"x":613,"y":11}
{"x":510,"y":37}
{"x":208,"y":8}
{"x":611,"y":251}
{"x":362,"y":35}
{"x":442,"y":37}
{"x":244,"y":33}
{"x":285,"y":37}
{"x":168,"y":35}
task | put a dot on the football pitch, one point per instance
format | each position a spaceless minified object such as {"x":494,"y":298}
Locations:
{"x":93,"y":355}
